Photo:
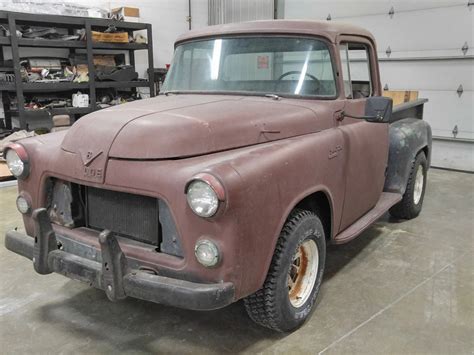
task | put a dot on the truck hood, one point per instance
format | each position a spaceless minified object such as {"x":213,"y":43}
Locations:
{"x":178,"y":126}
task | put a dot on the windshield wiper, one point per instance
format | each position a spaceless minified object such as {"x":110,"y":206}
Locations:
{"x":273,"y":96}
{"x":167,"y":93}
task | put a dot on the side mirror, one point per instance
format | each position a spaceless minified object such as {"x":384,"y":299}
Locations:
{"x":378,"y":109}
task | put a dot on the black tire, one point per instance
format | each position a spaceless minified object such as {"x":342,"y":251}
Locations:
{"x":407,"y":208}
{"x":271,"y":306}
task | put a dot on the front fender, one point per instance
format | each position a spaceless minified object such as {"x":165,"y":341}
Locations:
{"x":274,"y":177}
{"x":407,"y":137}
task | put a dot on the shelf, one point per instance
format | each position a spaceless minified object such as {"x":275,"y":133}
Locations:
{"x":51,"y":87}
{"x":48,"y":87}
{"x":105,"y":23}
{"x":118,"y":46}
{"x":54,"y":111}
{"x":7,"y":86}
{"x":53,"y":43}
{"x":59,"y":111}
{"x":121,"y":84}
{"x":50,"y":43}
{"x":71,"y":23}
{"x":66,"y":86}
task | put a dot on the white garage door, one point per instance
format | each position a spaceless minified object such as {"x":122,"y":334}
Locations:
{"x":420,"y":46}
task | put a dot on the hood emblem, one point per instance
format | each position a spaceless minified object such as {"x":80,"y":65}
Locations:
{"x":88,"y":157}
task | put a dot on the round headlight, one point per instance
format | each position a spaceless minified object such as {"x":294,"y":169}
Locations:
{"x":206,"y":253}
{"x":202,"y":198}
{"x":15,"y":164}
{"x":22,"y":205}
{"x":17,"y":160}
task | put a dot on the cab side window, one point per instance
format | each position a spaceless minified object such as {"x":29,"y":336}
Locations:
{"x":355,"y":59}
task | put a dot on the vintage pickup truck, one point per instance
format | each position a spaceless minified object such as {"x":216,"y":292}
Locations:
{"x":269,"y":141}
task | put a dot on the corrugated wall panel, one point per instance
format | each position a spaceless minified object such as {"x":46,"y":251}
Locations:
{"x":229,"y":11}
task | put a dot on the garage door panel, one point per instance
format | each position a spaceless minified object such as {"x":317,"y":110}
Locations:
{"x":339,"y":9}
{"x":428,"y":75}
{"x":453,"y":53}
{"x":453,"y":155}
{"x":446,"y":109}
{"x":316,"y":9}
{"x":404,"y":32}
{"x":423,"y":33}
{"x":404,"y":5}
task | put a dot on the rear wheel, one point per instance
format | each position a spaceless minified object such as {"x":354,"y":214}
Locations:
{"x":410,"y":205}
{"x":289,"y":293}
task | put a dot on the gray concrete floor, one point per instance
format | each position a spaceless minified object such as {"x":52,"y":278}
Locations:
{"x":404,"y":287}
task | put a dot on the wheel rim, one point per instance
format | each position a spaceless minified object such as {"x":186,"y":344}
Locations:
{"x":303,"y":272}
{"x":419,"y":179}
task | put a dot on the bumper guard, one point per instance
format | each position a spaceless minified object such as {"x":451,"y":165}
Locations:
{"x":113,"y":275}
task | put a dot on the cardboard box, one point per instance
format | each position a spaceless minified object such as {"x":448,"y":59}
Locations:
{"x":119,"y":37}
{"x":399,"y":97}
{"x":105,"y":60}
{"x":129,"y":14}
{"x":126,"y":11}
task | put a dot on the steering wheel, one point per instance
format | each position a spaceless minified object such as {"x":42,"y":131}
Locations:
{"x":316,"y":80}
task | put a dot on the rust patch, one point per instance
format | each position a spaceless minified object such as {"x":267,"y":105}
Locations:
{"x":298,"y":282}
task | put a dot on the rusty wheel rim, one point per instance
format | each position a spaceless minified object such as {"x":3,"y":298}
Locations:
{"x":303,"y":272}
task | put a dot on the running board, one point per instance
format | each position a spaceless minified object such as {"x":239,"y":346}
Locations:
{"x":386,"y":200}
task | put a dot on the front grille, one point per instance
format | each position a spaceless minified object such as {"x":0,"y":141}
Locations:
{"x":133,"y":216}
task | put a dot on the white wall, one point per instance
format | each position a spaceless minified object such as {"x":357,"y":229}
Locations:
{"x":418,"y":31}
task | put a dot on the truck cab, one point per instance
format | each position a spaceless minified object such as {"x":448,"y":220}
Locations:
{"x":270,"y":140}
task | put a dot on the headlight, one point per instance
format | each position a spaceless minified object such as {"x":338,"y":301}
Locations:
{"x":206,"y":253}
{"x":203,"y":193}
{"x":14,"y":163}
{"x":202,"y":198}
{"x":23,"y":205}
{"x":17,"y":160}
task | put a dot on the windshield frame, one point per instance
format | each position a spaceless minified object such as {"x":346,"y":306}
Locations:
{"x":327,"y":42}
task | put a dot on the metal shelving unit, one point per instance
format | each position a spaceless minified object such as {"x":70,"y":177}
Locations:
{"x":12,"y":20}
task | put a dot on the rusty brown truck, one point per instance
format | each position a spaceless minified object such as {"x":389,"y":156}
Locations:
{"x":270,"y":140}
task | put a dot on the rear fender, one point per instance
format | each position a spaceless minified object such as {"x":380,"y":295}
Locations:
{"x":407,"y":137}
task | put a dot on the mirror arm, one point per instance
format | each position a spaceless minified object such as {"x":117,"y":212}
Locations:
{"x":369,"y":118}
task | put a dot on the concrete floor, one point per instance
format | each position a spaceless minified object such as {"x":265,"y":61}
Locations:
{"x":399,"y":288}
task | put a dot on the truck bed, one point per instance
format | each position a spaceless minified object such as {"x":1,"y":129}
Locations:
{"x":412,"y":109}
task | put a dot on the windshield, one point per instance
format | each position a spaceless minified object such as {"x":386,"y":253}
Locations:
{"x":254,"y":65}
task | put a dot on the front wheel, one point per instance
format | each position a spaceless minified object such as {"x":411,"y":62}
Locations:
{"x":289,"y":293}
{"x":410,"y":205}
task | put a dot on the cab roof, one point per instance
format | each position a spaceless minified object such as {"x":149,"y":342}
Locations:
{"x":328,"y":29}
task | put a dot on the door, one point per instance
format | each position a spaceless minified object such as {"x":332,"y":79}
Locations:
{"x":365,"y":143}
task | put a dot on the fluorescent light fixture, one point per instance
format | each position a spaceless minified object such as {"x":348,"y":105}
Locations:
{"x":216,"y":59}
